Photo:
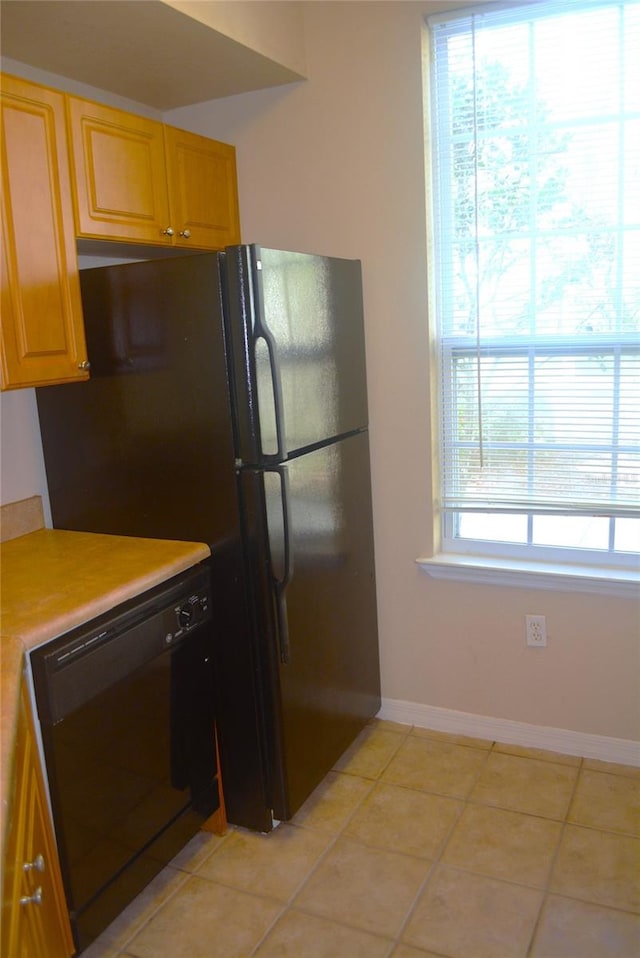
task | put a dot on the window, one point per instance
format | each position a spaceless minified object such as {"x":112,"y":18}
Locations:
{"x":536,"y":129}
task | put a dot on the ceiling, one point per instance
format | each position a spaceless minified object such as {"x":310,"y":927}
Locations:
{"x":140,"y":49}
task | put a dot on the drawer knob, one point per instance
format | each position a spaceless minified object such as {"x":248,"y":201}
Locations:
{"x":35,"y":899}
{"x":185,"y":233}
{"x":85,"y":364}
{"x":36,"y":865}
{"x":167,"y":232}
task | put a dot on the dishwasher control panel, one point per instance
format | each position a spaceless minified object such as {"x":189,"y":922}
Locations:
{"x":188,"y":613}
{"x":71,"y":669}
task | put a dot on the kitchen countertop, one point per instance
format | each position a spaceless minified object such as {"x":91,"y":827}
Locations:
{"x":54,"y":580}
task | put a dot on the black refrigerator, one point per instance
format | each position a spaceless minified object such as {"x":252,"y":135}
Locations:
{"x":227,"y":404}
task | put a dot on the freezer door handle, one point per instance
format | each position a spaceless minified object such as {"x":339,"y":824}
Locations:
{"x":262,"y":331}
{"x":281,"y":582}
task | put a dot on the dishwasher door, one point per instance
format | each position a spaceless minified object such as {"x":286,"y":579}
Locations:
{"x":127,"y":713}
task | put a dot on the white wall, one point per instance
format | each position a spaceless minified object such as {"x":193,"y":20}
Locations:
{"x":334,"y":165}
{"x":21,"y":462}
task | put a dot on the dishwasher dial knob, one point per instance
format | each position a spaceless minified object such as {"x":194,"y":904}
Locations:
{"x":185,"y":615}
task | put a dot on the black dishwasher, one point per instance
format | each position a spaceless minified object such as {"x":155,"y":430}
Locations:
{"x":127,"y":714}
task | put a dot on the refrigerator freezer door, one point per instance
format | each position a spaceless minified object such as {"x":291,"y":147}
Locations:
{"x":328,"y":684}
{"x":295,"y":324}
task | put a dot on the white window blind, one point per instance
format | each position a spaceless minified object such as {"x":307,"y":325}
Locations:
{"x":536,"y":125}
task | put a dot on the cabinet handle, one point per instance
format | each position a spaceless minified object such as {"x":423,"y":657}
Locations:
{"x":36,"y":865}
{"x":85,"y":364}
{"x":185,"y":233}
{"x":167,"y":232}
{"x":35,"y":899}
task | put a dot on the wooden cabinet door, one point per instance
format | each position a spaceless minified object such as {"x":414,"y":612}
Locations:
{"x":42,"y":330}
{"x":32,"y":927}
{"x":48,"y":925}
{"x":203,"y":192}
{"x":119,"y":174}
{"x":13,"y":925}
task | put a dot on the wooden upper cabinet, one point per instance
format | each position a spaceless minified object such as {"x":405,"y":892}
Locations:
{"x":203,"y":192}
{"x":120,"y":184}
{"x":139,"y":181}
{"x":42,"y":337}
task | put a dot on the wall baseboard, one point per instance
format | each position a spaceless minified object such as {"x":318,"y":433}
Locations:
{"x":619,"y":750}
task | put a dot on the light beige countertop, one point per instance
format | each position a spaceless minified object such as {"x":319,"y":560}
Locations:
{"x":54,"y":580}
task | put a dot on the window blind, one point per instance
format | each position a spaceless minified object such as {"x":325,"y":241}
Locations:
{"x":536,"y":131}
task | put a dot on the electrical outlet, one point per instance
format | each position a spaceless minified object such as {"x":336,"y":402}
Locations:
{"x":536,"y":630}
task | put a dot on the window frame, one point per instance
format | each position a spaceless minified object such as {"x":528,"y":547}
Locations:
{"x":465,"y":557}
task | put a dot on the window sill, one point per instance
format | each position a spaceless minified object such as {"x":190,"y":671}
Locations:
{"x":532,"y":575}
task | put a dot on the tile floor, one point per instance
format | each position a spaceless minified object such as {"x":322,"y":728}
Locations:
{"x":418,"y":844}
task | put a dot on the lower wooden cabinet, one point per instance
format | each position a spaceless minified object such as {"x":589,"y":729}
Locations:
{"x":34,"y":914}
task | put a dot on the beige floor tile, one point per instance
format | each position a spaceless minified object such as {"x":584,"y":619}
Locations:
{"x":574,"y":929}
{"x":333,"y":802}
{"x":504,"y":844}
{"x":435,"y":766}
{"x":404,"y":820}
{"x":368,"y":888}
{"x":391,"y":726}
{"x":273,"y":864}
{"x":631,"y":771}
{"x":395,"y":800}
{"x":138,"y":913}
{"x":544,"y":755}
{"x":471,"y":916}
{"x":195,"y":853}
{"x":599,"y":867}
{"x":101,"y":949}
{"x":606,"y":801}
{"x":371,"y":752}
{"x":297,"y":935}
{"x":206,"y":920}
{"x":526,"y":785}
{"x":406,"y":951}
{"x":471,"y":741}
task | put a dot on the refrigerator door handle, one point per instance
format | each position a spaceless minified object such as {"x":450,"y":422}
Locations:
{"x":262,"y":331}
{"x":281,"y":583}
